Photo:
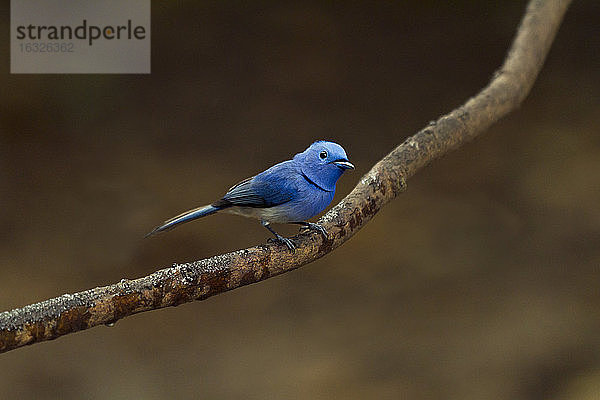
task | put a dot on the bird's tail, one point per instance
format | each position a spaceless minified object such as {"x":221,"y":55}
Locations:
{"x":187,"y":216}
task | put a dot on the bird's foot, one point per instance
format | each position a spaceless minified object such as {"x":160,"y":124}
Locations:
{"x":316,"y":227}
{"x":288,"y":242}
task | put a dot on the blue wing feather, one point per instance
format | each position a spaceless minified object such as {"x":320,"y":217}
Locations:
{"x":267,"y":189}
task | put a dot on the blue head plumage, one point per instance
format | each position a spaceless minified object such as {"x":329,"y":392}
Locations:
{"x":323,"y":163}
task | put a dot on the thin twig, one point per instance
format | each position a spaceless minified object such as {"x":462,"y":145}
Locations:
{"x":201,"y":279}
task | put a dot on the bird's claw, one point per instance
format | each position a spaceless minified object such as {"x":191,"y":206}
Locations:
{"x":288,"y":242}
{"x":316,"y":227}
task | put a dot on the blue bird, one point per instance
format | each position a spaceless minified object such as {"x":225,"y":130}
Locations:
{"x":292,"y":191}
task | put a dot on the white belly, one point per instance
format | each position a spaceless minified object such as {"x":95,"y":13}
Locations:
{"x":272,"y":214}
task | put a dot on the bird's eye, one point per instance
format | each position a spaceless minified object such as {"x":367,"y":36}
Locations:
{"x":323,"y":155}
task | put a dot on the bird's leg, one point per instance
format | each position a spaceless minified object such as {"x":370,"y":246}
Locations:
{"x":314,"y":227}
{"x":288,"y":242}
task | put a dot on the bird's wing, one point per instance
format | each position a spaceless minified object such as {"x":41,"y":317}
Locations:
{"x":268,"y":189}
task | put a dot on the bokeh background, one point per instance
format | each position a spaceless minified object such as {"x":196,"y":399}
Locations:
{"x":480,"y":282}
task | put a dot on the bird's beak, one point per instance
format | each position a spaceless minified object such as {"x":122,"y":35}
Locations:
{"x":344,"y":164}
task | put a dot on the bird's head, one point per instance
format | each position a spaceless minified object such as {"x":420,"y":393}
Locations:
{"x":323,"y":163}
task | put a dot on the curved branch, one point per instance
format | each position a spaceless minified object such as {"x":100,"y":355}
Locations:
{"x":201,"y":279}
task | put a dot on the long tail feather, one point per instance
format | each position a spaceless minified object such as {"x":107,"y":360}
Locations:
{"x":187,"y":216}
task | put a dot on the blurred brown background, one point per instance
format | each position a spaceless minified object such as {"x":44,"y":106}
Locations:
{"x":480,"y":282}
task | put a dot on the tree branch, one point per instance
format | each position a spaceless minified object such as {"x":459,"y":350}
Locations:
{"x":201,"y":279}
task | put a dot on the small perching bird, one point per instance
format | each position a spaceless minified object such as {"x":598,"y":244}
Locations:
{"x":292,"y":191}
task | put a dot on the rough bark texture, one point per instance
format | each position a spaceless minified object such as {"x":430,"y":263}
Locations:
{"x":201,"y":279}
